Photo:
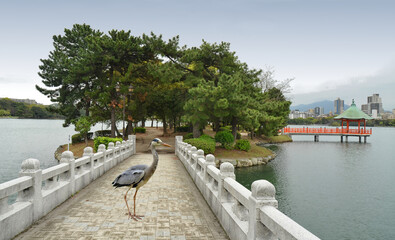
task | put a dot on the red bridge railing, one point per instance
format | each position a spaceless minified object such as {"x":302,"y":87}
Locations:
{"x":324,"y":130}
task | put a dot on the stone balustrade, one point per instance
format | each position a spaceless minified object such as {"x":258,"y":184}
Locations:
{"x":39,"y":191}
{"x":243,"y":214}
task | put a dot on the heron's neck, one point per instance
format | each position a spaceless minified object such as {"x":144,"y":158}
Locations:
{"x":154,"y":162}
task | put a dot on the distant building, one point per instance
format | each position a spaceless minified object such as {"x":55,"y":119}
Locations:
{"x":338,"y":106}
{"x":297,"y":114}
{"x":318,"y":111}
{"x":374,"y":107}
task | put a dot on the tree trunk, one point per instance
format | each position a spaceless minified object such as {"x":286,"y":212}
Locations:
{"x":196,"y":130}
{"x":86,"y":139}
{"x":164,"y":126}
{"x":234,"y":127}
{"x":216,"y":125}
{"x":143,"y":123}
{"x":129,"y":128}
{"x":152,"y":123}
{"x":118,"y":133}
{"x":113,"y":125}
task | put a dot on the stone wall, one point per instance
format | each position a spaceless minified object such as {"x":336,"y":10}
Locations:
{"x":40,"y":191}
{"x":243,"y":214}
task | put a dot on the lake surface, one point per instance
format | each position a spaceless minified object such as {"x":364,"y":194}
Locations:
{"x":27,"y":138}
{"x":335,"y":190}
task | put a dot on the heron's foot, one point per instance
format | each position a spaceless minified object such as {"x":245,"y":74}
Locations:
{"x":134,"y":217}
{"x":137,"y":217}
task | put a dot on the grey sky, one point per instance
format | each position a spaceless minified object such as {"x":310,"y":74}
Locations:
{"x":327,"y":45}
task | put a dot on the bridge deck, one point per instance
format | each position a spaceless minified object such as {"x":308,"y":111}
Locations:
{"x":172,"y":205}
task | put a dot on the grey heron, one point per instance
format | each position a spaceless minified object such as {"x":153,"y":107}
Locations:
{"x":137,"y":176}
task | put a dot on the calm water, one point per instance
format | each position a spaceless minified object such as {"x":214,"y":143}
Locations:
{"x":335,"y":190}
{"x":27,"y":138}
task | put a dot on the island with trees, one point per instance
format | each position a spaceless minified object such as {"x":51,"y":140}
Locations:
{"x":95,"y":77}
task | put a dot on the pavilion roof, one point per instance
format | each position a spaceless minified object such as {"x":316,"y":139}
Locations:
{"x":353,"y":113}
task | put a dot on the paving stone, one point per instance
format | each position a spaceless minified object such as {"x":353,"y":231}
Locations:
{"x":173,"y":207}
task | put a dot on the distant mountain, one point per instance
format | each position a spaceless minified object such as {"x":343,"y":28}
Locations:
{"x":326,"y":104}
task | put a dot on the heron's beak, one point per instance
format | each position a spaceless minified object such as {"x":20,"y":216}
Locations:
{"x":166,"y":145}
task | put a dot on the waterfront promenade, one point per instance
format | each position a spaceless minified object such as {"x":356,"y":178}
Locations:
{"x":172,"y":205}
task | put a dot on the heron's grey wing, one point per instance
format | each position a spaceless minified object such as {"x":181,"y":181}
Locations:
{"x":129,"y":178}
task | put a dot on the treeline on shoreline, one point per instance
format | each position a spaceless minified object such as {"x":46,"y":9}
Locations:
{"x":336,"y":123}
{"x":13,"y":109}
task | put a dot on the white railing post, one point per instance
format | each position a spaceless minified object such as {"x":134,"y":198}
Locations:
{"x":225,"y":170}
{"x":133,"y":138}
{"x":68,"y":157}
{"x":262,"y":194}
{"x":88,"y":151}
{"x":177,"y":144}
{"x":31,"y":167}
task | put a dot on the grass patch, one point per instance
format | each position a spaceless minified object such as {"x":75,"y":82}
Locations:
{"x":78,"y":148}
{"x":277,"y":139}
{"x":254,"y":152}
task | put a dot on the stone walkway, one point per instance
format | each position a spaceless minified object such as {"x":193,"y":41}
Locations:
{"x":173,"y":208}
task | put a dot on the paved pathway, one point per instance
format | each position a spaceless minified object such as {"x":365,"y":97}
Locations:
{"x":173,"y":208}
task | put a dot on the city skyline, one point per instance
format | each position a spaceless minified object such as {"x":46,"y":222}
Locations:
{"x":349,"y":56}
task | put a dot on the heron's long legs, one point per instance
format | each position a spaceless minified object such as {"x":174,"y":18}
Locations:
{"x":127,"y":202}
{"x":134,"y":216}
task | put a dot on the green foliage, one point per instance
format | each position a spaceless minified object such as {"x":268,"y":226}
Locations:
{"x":238,"y":135}
{"x":206,"y":143}
{"x":104,"y":140}
{"x":13,"y":108}
{"x":243,"y":144}
{"x":77,"y":138}
{"x":83,"y":125}
{"x":183,"y":129}
{"x":225,"y":138}
{"x":4,"y":113}
{"x":139,"y":130}
{"x":188,"y":136}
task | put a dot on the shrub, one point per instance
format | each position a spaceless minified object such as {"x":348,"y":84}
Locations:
{"x":77,"y":138}
{"x":225,"y":138}
{"x":188,"y":136}
{"x":225,"y":128}
{"x":104,"y":140}
{"x":208,"y":146}
{"x":243,"y":144}
{"x":182,"y":129}
{"x":139,"y":130}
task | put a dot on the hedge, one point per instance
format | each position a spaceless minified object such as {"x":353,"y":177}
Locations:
{"x":77,"y":138}
{"x":243,"y":144}
{"x":139,"y":130}
{"x":208,"y":146}
{"x":225,"y":138}
{"x":183,"y":129}
{"x":105,"y":140}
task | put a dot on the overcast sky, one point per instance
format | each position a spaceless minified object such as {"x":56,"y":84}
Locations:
{"x":333,"y":48}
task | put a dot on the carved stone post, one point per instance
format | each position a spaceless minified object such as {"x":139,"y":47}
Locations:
{"x":88,"y":152}
{"x":101,"y":161}
{"x":210,"y":160}
{"x":225,"y":170}
{"x":133,"y":138}
{"x":31,"y":167}
{"x":177,"y":144}
{"x":262,"y":194}
{"x":68,"y":157}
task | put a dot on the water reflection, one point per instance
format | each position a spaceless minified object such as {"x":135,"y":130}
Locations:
{"x":335,"y":190}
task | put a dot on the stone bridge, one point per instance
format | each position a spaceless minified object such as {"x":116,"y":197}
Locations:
{"x":187,"y":198}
